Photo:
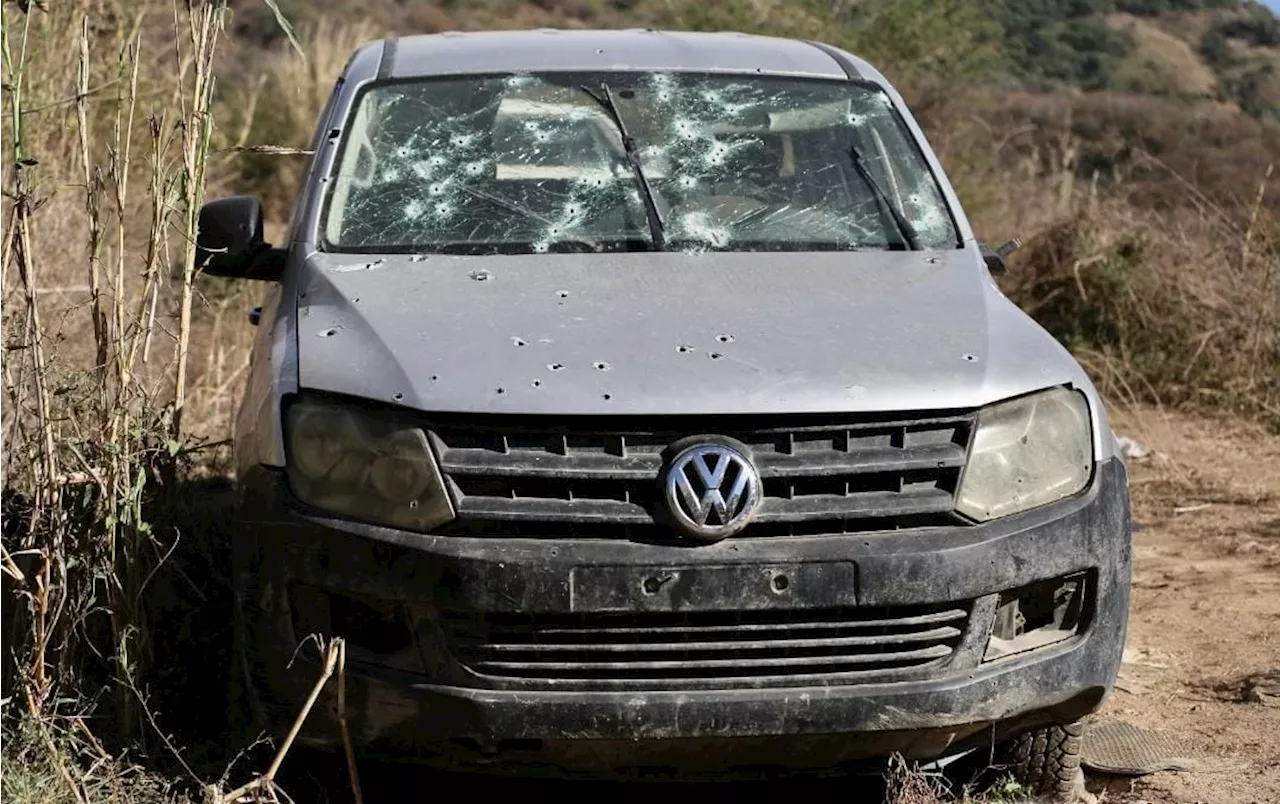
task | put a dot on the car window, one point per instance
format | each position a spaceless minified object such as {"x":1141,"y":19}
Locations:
{"x":537,"y":163}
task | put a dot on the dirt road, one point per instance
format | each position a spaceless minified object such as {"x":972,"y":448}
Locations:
{"x":1205,"y":617}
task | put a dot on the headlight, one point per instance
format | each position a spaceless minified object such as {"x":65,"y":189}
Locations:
{"x":372,"y":466}
{"x":1026,"y":453}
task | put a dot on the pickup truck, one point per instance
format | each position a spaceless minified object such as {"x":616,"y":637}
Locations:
{"x":638,"y":401}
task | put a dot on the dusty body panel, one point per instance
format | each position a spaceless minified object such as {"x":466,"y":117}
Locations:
{"x":900,"y":330}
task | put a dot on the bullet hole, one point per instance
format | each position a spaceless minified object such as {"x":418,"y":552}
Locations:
{"x":564,"y":294}
{"x":726,"y":338}
{"x":328,"y":333}
{"x":480,"y":276}
{"x":418,"y":258}
{"x":518,"y":341}
{"x":715,"y":355}
{"x":413,"y":503}
{"x":398,"y":397}
{"x":536,"y":383}
{"x":435,"y":377}
{"x":780,"y":583}
{"x":606,"y":397}
{"x":600,"y":365}
{"x":356,"y":300}
{"x":502,"y":390}
{"x":971,"y":358}
{"x":933,"y":260}
{"x":599,"y":50}
{"x":555,"y":366}
{"x":685,"y":349}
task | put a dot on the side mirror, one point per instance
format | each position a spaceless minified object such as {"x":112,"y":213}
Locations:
{"x":995,"y":257}
{"x":229,"y":241}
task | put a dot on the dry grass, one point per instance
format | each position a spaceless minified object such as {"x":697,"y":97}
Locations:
{"x":1161,"y":61}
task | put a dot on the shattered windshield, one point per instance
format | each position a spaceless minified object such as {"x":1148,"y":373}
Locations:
{"x":521,"y":164}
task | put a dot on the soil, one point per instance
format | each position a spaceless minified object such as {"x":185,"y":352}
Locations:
{"x":1204,"y":625}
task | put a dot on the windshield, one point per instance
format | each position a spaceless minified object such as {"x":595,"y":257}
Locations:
{"x":537,"y":163}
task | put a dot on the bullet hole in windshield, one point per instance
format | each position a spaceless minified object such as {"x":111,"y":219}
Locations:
{"x":684,"y":349}
{"x":715,"y":355}
{"x":328,"y":333}
{"x":534,"y":164}
{"x":480,"y":276}
{"x":555,"y":366}
{"x":600,"y":365}
{"x":518,"y":341}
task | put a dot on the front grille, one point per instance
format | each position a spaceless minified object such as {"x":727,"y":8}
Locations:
{"x":799,"y":646}
{"x":517,"y":477}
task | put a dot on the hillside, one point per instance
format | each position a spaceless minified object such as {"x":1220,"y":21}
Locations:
{"x":1223,"y":50}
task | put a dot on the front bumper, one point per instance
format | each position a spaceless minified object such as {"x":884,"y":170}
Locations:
{"x":419,"y":697}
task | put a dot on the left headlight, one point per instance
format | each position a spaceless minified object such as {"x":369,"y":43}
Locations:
{"x":374,"y":466}
{"x":1027,"y":452}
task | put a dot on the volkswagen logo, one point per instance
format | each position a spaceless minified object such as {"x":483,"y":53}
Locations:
{"x":711,"y":489}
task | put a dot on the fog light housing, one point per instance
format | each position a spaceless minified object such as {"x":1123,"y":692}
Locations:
{"x":1039,"y":615}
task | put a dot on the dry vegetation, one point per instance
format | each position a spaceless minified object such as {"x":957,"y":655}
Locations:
{"x":1153,"y":250}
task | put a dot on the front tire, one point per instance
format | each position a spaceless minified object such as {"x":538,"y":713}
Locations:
{"x":1046,"y":762}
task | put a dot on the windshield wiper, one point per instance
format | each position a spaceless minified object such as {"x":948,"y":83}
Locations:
{"x":905,"y":228}
{"x":657,"y":226}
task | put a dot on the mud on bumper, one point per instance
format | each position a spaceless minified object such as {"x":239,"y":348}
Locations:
{"x":921,"y":641}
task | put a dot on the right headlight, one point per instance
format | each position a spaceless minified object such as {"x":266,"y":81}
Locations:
{"x":374,"y":466}
{"x":1026,"y":453}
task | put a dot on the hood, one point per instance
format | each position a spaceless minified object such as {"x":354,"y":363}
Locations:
{"x":669,"y":333}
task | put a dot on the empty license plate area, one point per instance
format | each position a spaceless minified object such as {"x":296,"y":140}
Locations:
{"x":824,"y":584}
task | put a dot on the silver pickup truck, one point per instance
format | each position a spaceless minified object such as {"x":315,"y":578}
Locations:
{"x":638,"y":401}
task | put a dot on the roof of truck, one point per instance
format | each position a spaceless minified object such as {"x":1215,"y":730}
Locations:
{"x":591,"y":51}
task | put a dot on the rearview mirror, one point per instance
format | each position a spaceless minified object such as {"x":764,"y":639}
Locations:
{"x":995,"y":257}
{"x":229,"y":241}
